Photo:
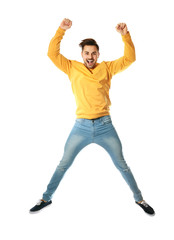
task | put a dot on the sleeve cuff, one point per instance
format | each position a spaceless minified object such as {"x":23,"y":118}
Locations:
{"x":126,"y":36}
{"x":60,"y":30}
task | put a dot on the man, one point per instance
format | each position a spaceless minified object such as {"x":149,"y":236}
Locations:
{"x":90,"y":83}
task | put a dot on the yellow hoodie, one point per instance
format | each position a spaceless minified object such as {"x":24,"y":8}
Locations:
{"x":91,"y":86}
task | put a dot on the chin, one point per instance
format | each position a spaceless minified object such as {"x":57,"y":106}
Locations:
{"x":90,"y":67}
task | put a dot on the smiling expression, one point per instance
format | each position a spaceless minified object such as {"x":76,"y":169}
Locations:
{"x":90,"y":54}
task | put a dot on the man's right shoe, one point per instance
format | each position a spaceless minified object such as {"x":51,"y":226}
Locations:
{"x":148,"y":209}
{"x":41,"y":204}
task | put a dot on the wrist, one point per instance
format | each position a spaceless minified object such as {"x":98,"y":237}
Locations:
{"x":62,"y":28}
{"x":123,"y":34}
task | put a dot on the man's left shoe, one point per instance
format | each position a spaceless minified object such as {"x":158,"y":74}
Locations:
{"x":41,"y":204}
{"x":148,"y":209}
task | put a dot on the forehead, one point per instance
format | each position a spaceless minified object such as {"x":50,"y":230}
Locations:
{"x":89,"y":48}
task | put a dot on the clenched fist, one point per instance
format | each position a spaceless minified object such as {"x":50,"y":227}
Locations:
{"x":122,"y":28}
{"x":66,"y":24}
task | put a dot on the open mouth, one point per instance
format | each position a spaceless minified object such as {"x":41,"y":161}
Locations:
{"x":90,"y":61}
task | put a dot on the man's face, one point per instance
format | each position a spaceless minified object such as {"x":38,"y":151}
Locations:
{"x":90,"y":55}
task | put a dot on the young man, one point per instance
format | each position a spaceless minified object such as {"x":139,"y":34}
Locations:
{"x":90,"y":83}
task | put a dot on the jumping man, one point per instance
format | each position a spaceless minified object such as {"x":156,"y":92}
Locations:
{"x":90,"y":83}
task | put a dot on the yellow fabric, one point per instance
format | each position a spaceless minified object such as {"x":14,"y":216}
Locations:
{"x":91,"y":86}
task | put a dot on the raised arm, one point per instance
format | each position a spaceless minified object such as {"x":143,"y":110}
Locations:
{"x":54,"y":47}
{"x":129,"y":51}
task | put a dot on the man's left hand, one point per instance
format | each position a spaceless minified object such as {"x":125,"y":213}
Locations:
{"x":122,"y":28}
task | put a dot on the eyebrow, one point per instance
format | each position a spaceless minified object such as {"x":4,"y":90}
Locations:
{"x":92,"y":52}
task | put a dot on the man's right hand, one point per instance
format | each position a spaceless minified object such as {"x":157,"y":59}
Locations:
{"x":66,"y":24}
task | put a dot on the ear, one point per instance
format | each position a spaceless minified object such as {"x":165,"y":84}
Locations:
{"x":82,"y":53}
{"x":98,"y":55}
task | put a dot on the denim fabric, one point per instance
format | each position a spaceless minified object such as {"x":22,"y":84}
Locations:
{"x":86,"y":131}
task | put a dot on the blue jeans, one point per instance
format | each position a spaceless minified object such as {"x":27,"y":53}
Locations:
{"x":86,"y":131}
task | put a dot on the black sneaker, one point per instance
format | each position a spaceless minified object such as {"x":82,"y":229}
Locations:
{"x":146,"y":207}
{"x":41,"y":204}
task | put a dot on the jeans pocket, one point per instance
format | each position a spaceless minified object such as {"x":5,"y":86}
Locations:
{"x":79,"y":120}
{"x":106,"y":120}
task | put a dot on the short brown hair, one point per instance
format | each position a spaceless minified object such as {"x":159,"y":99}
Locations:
{"x":90,"y":42}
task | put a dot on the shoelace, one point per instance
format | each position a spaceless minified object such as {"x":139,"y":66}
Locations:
{"x":144,"y":203}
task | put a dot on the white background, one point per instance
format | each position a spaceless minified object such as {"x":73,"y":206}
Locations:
{"x":37,"y":112}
